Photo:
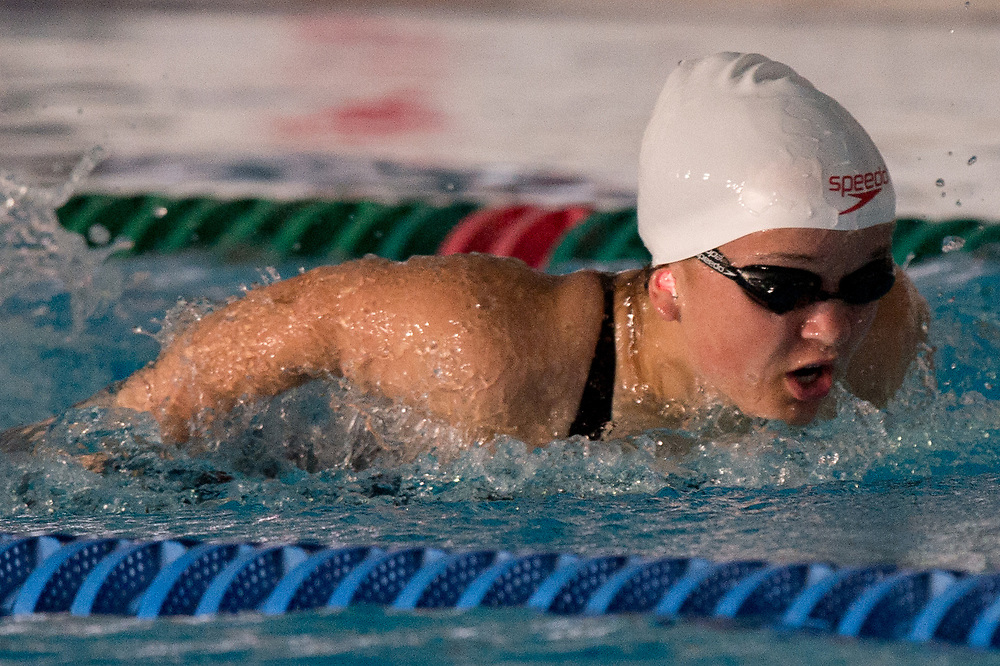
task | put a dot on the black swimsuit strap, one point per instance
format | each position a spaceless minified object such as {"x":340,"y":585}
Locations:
{"x":594,"y":413}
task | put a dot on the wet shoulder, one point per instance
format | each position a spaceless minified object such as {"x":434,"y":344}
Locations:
{"x":500,"y":306}
{"x":477,"y":284}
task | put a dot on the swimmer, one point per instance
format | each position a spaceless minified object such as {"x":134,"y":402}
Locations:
{"x":768,"y":212}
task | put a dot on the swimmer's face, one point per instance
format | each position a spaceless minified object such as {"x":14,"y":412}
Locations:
{"x":777,"y":366}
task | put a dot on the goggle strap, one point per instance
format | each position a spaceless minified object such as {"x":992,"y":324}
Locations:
{"x":718,"y":263}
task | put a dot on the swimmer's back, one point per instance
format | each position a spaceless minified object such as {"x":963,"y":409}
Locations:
{"x":487,"y":344}
{"x":476,"y":339}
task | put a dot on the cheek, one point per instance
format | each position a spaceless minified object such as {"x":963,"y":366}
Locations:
{"x":735,"y":343}
{"x":863,"y":321}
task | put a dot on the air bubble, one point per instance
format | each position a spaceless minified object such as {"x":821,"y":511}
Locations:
{"x":972,"y":160}
{"x":939,"y":182}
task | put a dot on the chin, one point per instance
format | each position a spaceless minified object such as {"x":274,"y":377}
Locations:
{"x":801,"y":419}
{"x":802,"y":414}
{"x":798,"y":414}
{"x":783,"y":408}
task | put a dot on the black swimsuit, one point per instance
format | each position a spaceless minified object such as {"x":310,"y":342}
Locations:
{"x":594,"y":413}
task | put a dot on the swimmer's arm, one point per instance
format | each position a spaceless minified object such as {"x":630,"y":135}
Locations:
{"x":273,"y":339}
{"x":897,"y":335}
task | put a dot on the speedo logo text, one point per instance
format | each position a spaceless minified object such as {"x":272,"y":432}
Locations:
{"x":860,"y":186}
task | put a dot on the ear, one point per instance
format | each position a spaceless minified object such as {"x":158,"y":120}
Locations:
{"x":663,"y":293}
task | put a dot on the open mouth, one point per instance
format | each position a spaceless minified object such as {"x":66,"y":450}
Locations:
{"x":808,"y":374}
{"x":810,"y":382}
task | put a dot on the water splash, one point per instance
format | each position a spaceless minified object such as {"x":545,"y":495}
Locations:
{"x":328,"y":443}
{"x":952,"y":244}
{"x":39,"y":258}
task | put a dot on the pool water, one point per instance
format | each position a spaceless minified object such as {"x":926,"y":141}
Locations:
{"x":912,"y":485}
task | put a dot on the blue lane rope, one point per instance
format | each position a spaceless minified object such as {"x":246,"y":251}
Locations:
{"x":149,"y":579}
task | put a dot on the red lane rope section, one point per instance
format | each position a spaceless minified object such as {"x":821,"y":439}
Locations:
{"x":533,"y":237}
{"x":479,"y":231}
{"x":526,"y":232}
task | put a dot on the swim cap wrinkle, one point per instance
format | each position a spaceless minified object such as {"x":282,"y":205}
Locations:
{"x":739,"y":143}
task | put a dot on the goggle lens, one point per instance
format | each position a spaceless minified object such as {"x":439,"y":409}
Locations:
{"x":781,"y":289}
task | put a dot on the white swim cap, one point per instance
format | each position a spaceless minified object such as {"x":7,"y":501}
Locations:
{"x":739,"y":143}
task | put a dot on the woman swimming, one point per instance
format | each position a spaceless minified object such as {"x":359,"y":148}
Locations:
{"x":768,"y":212}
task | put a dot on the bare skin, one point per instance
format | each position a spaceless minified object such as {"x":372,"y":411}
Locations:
{"x":484,"y":343}
{"x":491,"y":346}
{"x":711,"y":343}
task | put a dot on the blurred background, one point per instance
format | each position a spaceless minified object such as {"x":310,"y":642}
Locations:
{"x":496,"y":99}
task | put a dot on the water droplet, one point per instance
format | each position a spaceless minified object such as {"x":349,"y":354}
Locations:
{"x":98,"y":234}
{"x":271,"y":274}
{"x":972,"y":160}
{"x":952,"y":243}
{"x":939,"y":182}
{"x":958,"y":202}
{"x":966,"y":4}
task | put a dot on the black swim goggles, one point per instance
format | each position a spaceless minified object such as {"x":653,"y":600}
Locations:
{"x":781,"y":289}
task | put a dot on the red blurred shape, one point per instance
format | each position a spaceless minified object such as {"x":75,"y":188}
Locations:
{"x":525,"y":232}
{"x":533,"y":237}
{"x":396,"y":113}
{"x":479,"y":231}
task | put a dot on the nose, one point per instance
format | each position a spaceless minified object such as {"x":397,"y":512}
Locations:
{"x":830,"y":323}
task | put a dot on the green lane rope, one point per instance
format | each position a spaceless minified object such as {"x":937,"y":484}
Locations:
{"x":364,"y":231}
{"x":915,"y":239}
{"x":423,"y":230}
{"x":310,"y":227}
{"x":589,"y":240}
{"x":340,"y":230}
{"x":244,"y":226}
{"x":624,"y":242}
